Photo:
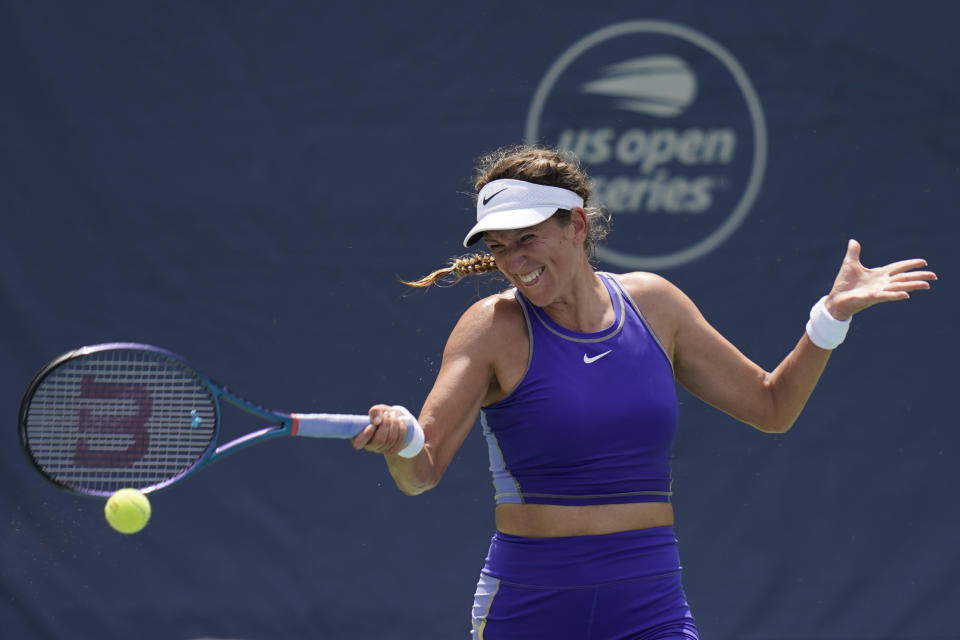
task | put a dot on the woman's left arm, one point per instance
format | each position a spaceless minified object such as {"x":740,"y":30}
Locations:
{"x":714,"y":370}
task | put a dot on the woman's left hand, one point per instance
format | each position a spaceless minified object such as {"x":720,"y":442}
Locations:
{"x":858,"y":287}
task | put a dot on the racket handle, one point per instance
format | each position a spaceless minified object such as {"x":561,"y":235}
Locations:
{"x":340,"y":425}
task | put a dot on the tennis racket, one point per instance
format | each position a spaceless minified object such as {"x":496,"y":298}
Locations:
{"x":117,"y":415}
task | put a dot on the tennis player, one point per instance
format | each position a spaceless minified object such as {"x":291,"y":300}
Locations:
{"x":572,"y":373}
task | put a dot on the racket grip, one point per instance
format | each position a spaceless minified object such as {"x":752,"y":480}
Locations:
{"x":339,"y":425}
{"x":328,"y":425}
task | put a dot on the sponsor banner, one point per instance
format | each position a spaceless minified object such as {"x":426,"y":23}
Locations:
{"x":671,"y":130}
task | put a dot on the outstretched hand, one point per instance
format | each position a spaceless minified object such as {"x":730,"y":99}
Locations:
{"x":858,"y":287}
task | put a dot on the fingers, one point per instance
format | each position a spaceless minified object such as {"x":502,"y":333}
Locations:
{"x":914,"y":276}
{"x":853,"y":250}
{"x":908,"y":285}
{"x":386,"y":432}
{"x":903,"y":280}
{"x":889,"y":296}
{"x":853,"y":254}
{"x":905,"y":265}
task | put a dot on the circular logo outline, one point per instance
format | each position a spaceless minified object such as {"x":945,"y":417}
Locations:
{"x":743,"y":206}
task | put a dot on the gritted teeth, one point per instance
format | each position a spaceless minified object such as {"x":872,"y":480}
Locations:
{"x":530,"y":277}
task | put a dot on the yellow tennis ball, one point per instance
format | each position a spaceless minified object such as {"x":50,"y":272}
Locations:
{"x":127,"y":510}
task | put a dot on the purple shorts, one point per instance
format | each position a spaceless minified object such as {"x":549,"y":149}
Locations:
{"x":622,"y":585}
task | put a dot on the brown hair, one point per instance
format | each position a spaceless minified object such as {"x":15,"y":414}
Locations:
{"x":536,"y":164}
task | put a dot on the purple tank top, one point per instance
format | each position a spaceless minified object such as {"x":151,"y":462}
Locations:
{"x":593,"y":419}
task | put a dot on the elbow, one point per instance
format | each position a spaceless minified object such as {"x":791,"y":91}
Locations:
{"x":415,"y":489}
{"x":413,"y":481}
{"x":774,"y":415}
{"x":774,"y":422}
{"x":774,"y":427}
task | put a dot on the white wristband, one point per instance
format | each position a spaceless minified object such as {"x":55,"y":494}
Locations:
{"x":417,"y":440}
{"x":824,"y":330}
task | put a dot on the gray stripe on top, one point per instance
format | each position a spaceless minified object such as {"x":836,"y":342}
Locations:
{"x":633,"y":303}
{"x":505,"y":486}
{"x":614,"y":331}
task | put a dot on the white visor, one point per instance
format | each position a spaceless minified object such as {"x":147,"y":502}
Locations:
{"x":516,"y":204}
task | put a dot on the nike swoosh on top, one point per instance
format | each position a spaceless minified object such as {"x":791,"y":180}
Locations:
{"x":588,"y":359}
{"x":489,"y":198}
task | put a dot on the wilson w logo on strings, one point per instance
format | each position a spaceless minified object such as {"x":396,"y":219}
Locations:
{"x":110,"y":434}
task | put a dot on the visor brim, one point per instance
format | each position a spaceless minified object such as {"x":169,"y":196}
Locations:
{"x":507,"y":221}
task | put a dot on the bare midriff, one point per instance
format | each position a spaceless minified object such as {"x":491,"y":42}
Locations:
{"x":554,"y":521}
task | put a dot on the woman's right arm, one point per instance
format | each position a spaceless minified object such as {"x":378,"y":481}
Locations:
{"x":450,"y":410}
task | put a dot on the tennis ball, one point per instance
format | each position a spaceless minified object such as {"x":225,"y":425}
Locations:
{"x":127,"y":510}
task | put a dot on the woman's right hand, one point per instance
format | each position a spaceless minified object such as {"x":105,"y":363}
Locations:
{"x":387,"y":432}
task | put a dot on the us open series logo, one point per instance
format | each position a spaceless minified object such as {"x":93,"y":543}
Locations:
{"x":670,"y":129}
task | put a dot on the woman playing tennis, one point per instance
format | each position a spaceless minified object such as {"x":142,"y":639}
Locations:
{"x":572,"y":373}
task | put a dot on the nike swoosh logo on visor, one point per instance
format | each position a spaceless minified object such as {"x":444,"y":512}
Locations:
{"x":589,"y":359}
{"x":489,"y":198}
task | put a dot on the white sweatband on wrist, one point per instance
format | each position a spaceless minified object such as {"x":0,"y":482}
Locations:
{"x":417,"y":438}
{"x":824,"y":330}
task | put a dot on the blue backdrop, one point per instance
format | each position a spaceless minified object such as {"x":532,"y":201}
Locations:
{"x":244,"y":183}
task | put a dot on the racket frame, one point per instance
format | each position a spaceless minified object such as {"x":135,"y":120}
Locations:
{"x":284,"y":424}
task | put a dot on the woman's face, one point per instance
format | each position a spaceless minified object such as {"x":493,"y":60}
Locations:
{"x":541,"y":260}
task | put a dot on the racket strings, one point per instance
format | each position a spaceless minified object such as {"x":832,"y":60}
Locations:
{"x":121,"y":418}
